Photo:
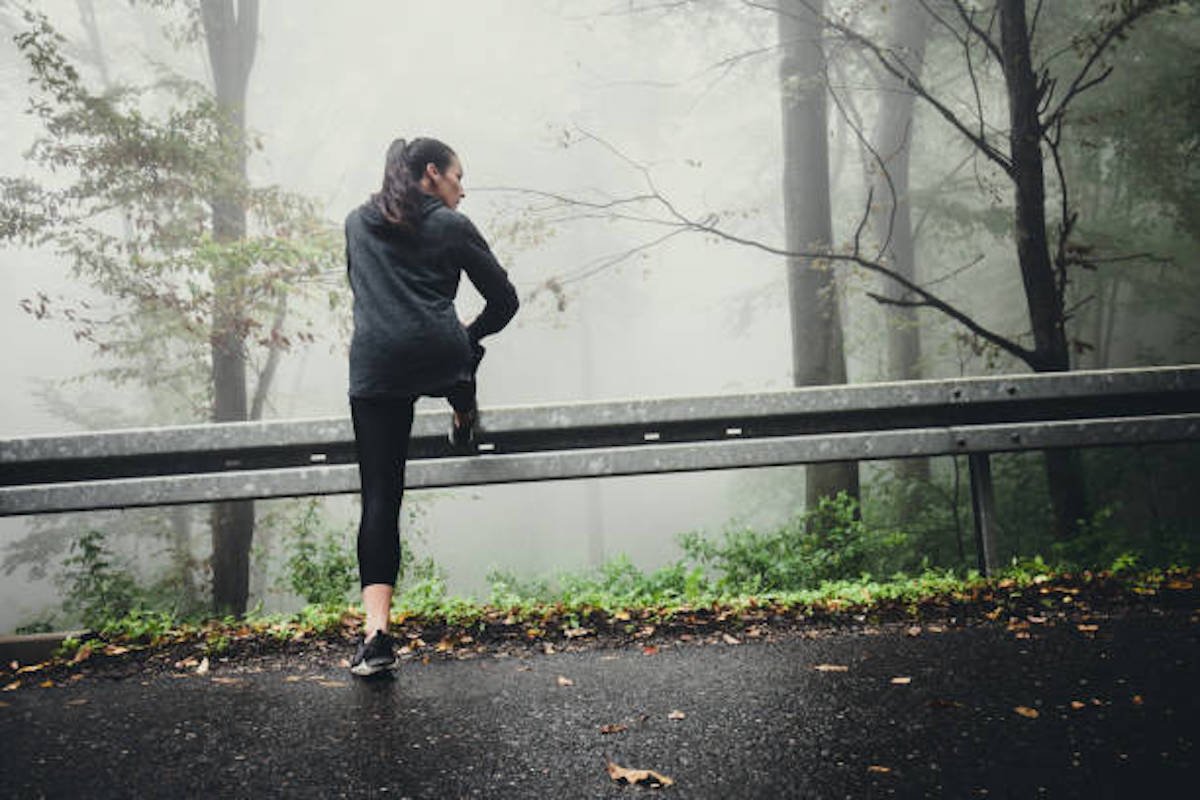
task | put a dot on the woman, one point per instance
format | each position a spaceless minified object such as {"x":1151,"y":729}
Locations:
{"x":406,"y":248}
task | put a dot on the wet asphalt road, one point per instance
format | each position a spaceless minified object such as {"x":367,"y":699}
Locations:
{"x":759,"y":720}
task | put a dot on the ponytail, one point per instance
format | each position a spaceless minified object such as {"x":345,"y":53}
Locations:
{"x":400,"y":197}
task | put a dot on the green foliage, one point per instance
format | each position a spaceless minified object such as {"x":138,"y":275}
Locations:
{"x":827,"y":543}
{"x":97,"y":589}
{"x":173,"y":282}
{"x":321,"y":567}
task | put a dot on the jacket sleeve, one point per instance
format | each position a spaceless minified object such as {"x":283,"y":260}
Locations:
{"x":485,"y":272}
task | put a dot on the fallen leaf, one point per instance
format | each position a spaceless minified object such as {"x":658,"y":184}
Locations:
{"x":1027,"y":712}
{"x":30,"y":668}
{"x":650,"y":650}
{"x":1036,"y":620}
{"x":78,"y":701}
{"x":12,"y":687}
{"x":613,"y":728}
{"x":575,"y":633}
{"x":446,"y":644}
{"x":645,"y":632}
{"x":548,"y":648}
{"x":676,"y":715}
{"x":901,"y":680}
{"x":1021,"y":635}
{"x":725,"y":637}
{"x":915,"y":630}
{"x":226,"y":681}
{"x":831,"y":668}
{"x":47,"y":684}
{"x":938,"y":702}
{"x":1088,"y":628}
{"x":344,"y":663}
{"x":4,"y":704}
{"x":82,"y":654}
{"x":331,"y":684}
{"x":1137,"y":699}
{"x":565,"y":681}
{"x":293,"y":679}
{"x":647,"y":777}
{"x":186,"y":663}
{"x":203,"y":668}
{"x":621,"y":616}
{"x":115,"y":650}
{"x":1179,"y":586}
{"x":879,"y":769}
{"x":1075,"y":704}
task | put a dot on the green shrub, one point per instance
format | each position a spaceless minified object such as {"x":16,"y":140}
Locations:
{"x":97,"y":591}
{"x":827,"y":543}
{"x":320,"y":567}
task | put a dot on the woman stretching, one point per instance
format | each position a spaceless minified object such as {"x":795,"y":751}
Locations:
{"x":406,"y":248}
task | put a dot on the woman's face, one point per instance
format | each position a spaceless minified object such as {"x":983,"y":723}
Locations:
{"x":446,"y":184}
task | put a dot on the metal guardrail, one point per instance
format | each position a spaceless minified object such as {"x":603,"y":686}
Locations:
{"x":972,"y":416}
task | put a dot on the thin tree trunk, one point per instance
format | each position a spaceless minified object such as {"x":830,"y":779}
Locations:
{"x":231,"y":40}
{"x":817,"y":353}
{"x":891,"y":216}
{"x":1064,"y":468}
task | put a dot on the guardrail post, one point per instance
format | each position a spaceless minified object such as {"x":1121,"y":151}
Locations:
{"x":983,"y":504}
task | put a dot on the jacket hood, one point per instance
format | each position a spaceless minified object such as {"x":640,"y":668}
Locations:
{"x":374,"y":218}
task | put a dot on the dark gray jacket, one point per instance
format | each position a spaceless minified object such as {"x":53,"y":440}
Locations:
{"x":407,"y":339}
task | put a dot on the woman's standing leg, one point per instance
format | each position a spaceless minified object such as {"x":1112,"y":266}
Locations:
{"x":381,"y":432}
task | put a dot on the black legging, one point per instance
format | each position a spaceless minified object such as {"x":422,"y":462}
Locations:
{"x":382,"y":427}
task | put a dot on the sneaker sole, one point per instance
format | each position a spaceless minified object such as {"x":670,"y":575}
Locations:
{"x":364,"y":669}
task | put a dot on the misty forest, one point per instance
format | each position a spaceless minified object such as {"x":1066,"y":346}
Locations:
{"x":692,"y":197}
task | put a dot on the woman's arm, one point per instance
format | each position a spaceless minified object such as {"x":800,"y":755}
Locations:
{"x":490,"y":279}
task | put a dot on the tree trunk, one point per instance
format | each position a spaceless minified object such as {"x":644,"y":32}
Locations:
{"x":1064,"y":469}
{"x":231,"y":40}
{"x":817,"y":353}
{"x":891,"y":213}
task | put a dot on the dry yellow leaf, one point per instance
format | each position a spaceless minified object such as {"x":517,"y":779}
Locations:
{"x":1179,"y":586}
{"x":676,"y":715}
{"x":915,"y":630}
{"x":82,"y":654}
{"x":831,"y":668}
{"x":1075,"y":704}
{"x":293,"y":678}
{"x":115,"y":650}
{"x":203,"y":668}
{"x":901,"y":680}
{"x":878,"y":768}
{"x":647,"y":777}
{"x":47,"y":684}
{"x":78,"y":701}
{"x":1088,"y":628}
{"x":565,"y":681}
{"x":331,"y":684}
{"x":4,"y":704}
{"x":613,"y":728}
{"x":224,"y":681}
{"x":1027,"y":712}
{"x":30,"y":668}
{"x":12,"y":687}
{"x":1137,"y":699}
{"x":725,"y":637}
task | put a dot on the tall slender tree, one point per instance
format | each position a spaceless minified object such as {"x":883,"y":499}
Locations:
{"x":231,"y":37}
{"x":818,"y":357}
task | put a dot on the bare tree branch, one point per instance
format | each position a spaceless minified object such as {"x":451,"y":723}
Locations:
{"x":905,"y":75}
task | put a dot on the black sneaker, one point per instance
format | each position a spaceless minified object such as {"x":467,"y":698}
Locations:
{"x":376,"y":655}
{"x":462,"y":437}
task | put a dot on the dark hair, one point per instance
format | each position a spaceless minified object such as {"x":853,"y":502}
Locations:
{"x":399,"y":200}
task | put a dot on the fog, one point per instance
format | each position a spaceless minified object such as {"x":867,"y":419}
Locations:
{"x":574,"y":98}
